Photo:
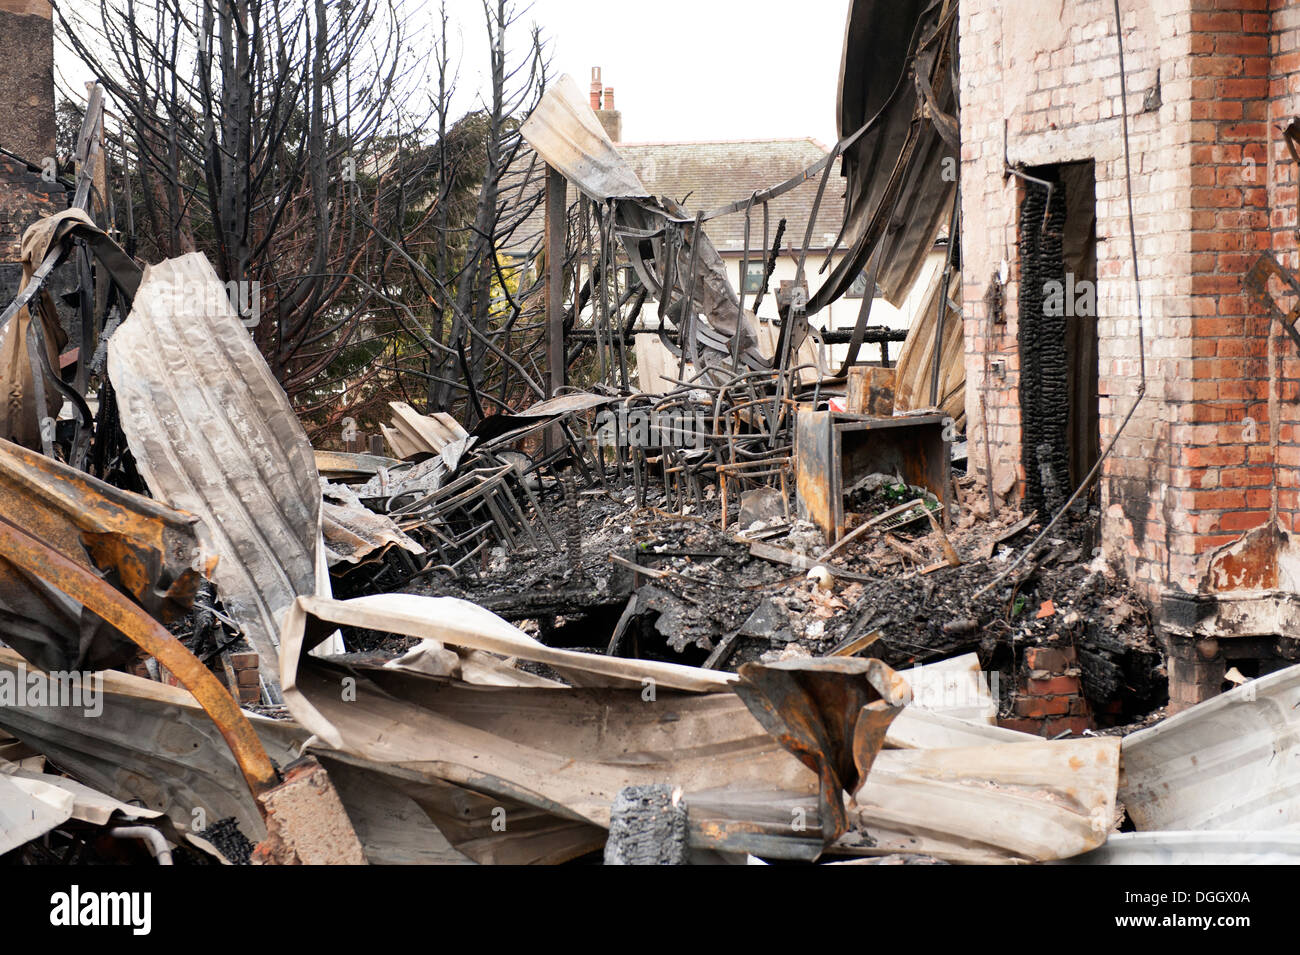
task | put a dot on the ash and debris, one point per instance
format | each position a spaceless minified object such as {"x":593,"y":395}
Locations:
{"x":698,"y":586}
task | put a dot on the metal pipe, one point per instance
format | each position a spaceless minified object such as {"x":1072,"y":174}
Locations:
{"x":150,"y":836}
{"x":944,"y":286}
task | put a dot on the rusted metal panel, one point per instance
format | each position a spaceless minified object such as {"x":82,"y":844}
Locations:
{"x":839,"y":448}
{"x":213,"y":433}
{"x":38,"y":560}
{"x":816,"y":466}
{"x":915,"y":447}
{"x":870,"y":391}
{"x":832,"y":713}
{"x":149,"y":550}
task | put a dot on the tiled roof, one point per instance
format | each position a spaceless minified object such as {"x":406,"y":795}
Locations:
{"x":707,"y":175}
{"x":712,"y":174}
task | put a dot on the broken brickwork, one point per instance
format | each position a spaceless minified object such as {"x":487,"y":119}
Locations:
{"x":1049,"y":700}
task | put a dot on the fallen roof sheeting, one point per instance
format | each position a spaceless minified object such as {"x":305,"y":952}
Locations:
{"x":213,"y":433}
{"x":567,"y":752}
{"x":920,"y":728}
{"x":1024,"y":802}
{"x":460,"y":623}
{"x":1194,"y":848}
{"x":896,"y":72}
{"x":142,"y":547}
{"x":567,"y":135}
{"x":956,"y":687}
{"x":34,"y":803}
{"x":349,"y":467}
{"x":1232,"y":762}
{"x":353,"y":531}
{"x":153,"y":749}
{"x":28,"y":810}
{"x":915,"y":365}
{"x":412,"y":433}
{"x":151,"y":744}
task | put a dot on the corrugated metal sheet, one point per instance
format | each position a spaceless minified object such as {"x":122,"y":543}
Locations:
{"x":150,"y":745}
{"x":566,"y":752}
{"x":213,"y":433}
{"x":876,"y":78}
{"x":1195,"y":848}
{"x":33,"y":803}
{"x":1232,"y":762}
{"x":1024,"y":802}
{"x":353,"y":531}
{"x":567,"y":134}
{"x":347,"y":466}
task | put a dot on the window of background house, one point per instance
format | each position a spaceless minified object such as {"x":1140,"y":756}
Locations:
{"x":754,"y":277}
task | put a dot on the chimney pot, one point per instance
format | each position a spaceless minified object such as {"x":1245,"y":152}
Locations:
{"x":595,"y":88}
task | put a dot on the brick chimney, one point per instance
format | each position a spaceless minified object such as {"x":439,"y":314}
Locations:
{"x":27,"y":78}
{"x":610,"y":118}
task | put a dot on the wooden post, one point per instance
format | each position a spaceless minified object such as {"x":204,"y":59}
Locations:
{"x":556,"y":218}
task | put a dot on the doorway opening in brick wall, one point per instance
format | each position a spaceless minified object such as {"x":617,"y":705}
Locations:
{"x":1057,"y":332}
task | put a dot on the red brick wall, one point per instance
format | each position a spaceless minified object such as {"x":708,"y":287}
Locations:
{"x":1198,"y":464}
{"x":1284,"y":359}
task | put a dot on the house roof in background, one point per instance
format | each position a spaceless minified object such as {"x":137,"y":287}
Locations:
{"x":706,"y":175}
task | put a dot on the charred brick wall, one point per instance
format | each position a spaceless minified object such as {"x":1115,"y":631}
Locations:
{"x":1212,"y":450}
{"x":24,"y":198}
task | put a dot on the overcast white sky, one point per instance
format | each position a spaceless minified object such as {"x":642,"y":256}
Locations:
{"x":692,"y":69}
{"x":681,"y":69}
